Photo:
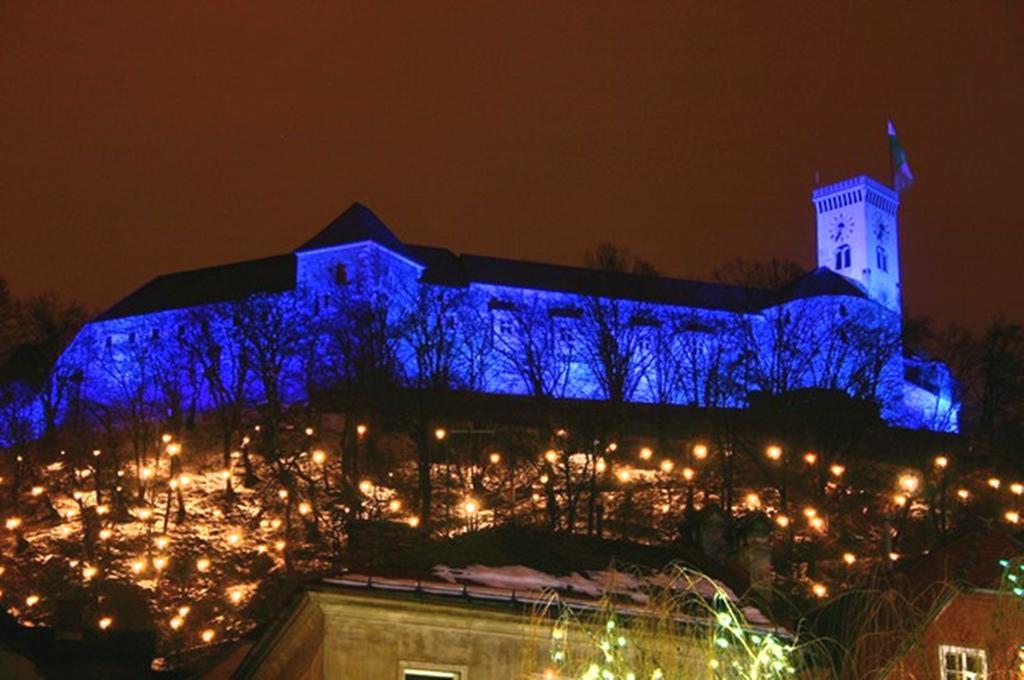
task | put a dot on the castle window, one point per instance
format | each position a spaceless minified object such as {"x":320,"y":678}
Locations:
{"x":962,"y":663}
{"x":340,"y":274}
{"x":842,"y":257}
{"x":881,"y":259}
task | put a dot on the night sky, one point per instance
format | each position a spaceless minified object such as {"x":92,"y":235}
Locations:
{"x":135,"y":141}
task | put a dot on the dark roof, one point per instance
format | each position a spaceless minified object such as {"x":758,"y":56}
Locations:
{"x":356,"y":225}
{"x":821,"y":281}
{"x":969,"y":559}
{"x":446,"y":268}
{"x":359,"y":224}
{"x":207,"y":286}
{"x":556,"y":553}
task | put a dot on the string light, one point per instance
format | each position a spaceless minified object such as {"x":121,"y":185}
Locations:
{"x":495,"y":458}
{"x":105,"y":622}
{"x":849,"y":558}
{"x":361,"y":430}
{"x":994,"y":482}
{"x":646,"y":453}
{"x":909,"y":483}
{"x":551,"y":456}
{"x":689,"y":474}
{"x":440,"y":433}
{"x":941,"y":461}
{"x":810,"y":458}
{"x":837,"y":470}
{"x":773,"y":452}
{"x":700,"y":451}
{"x":319,"y":457}
{"x":667,"y":465}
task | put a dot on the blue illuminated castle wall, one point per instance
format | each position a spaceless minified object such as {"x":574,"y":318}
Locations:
{"x":355,"y":295}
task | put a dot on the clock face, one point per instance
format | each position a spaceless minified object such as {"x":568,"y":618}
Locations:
{"x":842,"y":225}
{"x":881,"y":230}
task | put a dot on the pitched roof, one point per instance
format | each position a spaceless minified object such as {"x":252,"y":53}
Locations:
{"x":821,"y":281}
{"x":207,"y":286}
{"x":446,"y":268}
{"x":356,"y":225}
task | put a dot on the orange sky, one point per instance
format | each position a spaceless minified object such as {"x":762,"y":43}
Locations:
{"x":137,"y":141}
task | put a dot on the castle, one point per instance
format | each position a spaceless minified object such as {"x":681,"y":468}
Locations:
{"x":354,"y":301}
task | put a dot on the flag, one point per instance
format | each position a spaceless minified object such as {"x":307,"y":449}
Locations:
{"x":902,"y":177}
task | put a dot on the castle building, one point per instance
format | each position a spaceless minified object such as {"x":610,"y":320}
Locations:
{"x":355,"y":298}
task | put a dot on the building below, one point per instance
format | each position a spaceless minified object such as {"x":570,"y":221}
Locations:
{"x":355,"y":306}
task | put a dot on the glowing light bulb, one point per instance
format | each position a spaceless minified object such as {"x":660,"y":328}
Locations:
{"x":31,"y":600}
{"x":413,"y":521}
{"x":102,"y":509}
{"x":667,"y":466}
{"x":395,"y":505}
{"x":319,"y":457}
{"x":613,"y":447}
{"x":963,"y":494}
{"x":203,"y":564}
{"x":184,"y":610}
{"x":689,"y":473}
{"x":837,"y":470}
{"x":146,"y":472}
{"x":700,"y":451}
{"x":810,"y":512}
{"x":495,"y":458}
{"x":941,"y":461}
{"x":440,"y":433}
{"x":753,"y":501}
{"x":849,"y":558}
{"x":817,"y":523}
{"x":909,"y":483}
{"x":551,"y":456}
{"x":471,"y":507}
{"x":899,"y":499}
{"x":105,"y":534}
{"x":994,"y":482}
{"x":1017,"y":488}
{"x":105,"y":622}
{"x":309,"y":432}
{"x":173,"y":449}
{"x":145,"y":514}
{"x":159,"y":563}
{"x":88,"y":572}
{"x":282,"y":494}
{"x":166,"y":438}
{"x":234,"y":538}
{"x":280,"y":546}
{"x":366,"y":486}
{"x":235,"y":596}
{"x":810,"y":458}
{"x":161,"y":542}
{"x":12,"y":523}
{"x":208,"y":635}
{"x":601,"y":465}
{"x":782,"y":521}
{"x":773,"y":452}
{"x":37,"y":490}
{"x":623,"y":475}
{"x":361,"y":430}
{"x":646,"y":453}
{"x":820,"y":590}
{"x":1012,"y":516}
{"x":176,"y":622}
{"x":305,"y":508}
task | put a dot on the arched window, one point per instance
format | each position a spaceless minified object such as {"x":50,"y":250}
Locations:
{"x":881,"y":259}
{"x":842,"y":257}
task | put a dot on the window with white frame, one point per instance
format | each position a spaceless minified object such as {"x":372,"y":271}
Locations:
{"x":412,"y":670}
{"x":962,"y":663}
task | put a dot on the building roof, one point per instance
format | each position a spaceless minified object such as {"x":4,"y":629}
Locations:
{"x":358,"y":224}
{"x":818,"y":282}
{"x":222,"y":283}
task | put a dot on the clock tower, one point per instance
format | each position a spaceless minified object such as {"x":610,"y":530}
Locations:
{"x":857,"y":235}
